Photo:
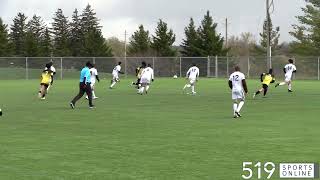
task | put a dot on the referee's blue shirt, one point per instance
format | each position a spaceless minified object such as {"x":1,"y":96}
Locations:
{"x":85,"y":73}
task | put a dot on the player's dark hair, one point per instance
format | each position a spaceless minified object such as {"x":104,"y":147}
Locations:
{"x":149,"y":65}
{"x":290,"y":61}
{"x":119,"y":63}
{"x":144,"y":64}
{"x":270,"y":71}
{"x":51,"y":63}
{"x":88,"y":64}
{"x":48,"y":66}
{"x":237,"y":68}
{"x":193,"y":64}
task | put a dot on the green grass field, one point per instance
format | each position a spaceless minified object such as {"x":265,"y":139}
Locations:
{"x":163,"y":135}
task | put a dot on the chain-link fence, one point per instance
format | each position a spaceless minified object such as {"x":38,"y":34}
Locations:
{"x":219,"y":67}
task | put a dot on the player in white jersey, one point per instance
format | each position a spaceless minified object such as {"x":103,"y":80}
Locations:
{"x":288,"y":69}
{"x":115,"y":75}
{"x":53,"y":72}
{"x":192,"y":77}
{"x":238,"y":85}
{"x":147,"y":76}
{"x":93,"y":78}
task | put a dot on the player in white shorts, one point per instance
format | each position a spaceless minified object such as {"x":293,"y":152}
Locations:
{"x":192,"y":76}
{"x":115,"y":75}
{"x":288,"y":69}
{"x":147,"y":76}
{"x":93,"y":78}
{"x":238,"y":85}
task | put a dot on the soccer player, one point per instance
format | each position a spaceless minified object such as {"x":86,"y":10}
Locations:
{"x":138,"y":74}
{"x":238,"y":85}
{"x":147,"y":76}
{"x":94,"y":78}
{"x":289,"y":69}
{"x":44,"y":82}
{"x":266,"y":79}
{"x":192,"y":77}
{"x":53,"y":70}
{"x":84,"y":86}
{"x":115,"y":75}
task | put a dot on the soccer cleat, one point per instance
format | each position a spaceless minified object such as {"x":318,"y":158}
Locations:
{"x":110,"y":87}
{"x":235,"y":116}
{"x":277,"y":85}
{"x":254,"y":95}
{"x":290,"y":91}
{"x":72,"y":105}
{"x":87,"y":97}
{"x":91,"y":107}
{"x":95,"y":97}
{"x":238,"y":114}
{"x":43,"y":98}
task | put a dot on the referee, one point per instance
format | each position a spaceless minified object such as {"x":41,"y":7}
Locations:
{"x":84,"y":86}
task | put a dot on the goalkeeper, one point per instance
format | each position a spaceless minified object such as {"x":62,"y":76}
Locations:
{"x":266,"y":79}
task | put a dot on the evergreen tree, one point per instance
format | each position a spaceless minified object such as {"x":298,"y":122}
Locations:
{"x":211,"y":43}
{"x":94,"y":43}
{"x":191,"y":43}
{"x":35,"y":28}
{"x":163,"y":40}
{"x":76,"y":35}
{"x":307,"y":34}
{"x":274,"y":36}
{"x":18,"y":34}
{"x":60,"y":30}
{"x":4,"y":40}
{"x":139,"y":44}
{"x":46,"y":43}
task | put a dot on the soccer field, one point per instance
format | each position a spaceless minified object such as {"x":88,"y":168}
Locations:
{"x":162,"y":135}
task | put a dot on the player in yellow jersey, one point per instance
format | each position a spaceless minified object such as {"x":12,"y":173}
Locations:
{"x":266,"y":79}
{"x":45,"y":80}
{"x":139,"y":73}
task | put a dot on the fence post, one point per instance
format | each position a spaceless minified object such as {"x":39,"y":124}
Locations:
{"x":248,"y":72}
{"x":153,"y":63}
{"x":208,"y":66}
{"x":216,"y":64}
{"x":125,"y":66}
{"x":27,"y":70}
{"x":318,"y":68}
{"x":94,"y":60}
{"x":180,"y":67}
{"x":227,"y":66}
{"x":61,"y":68}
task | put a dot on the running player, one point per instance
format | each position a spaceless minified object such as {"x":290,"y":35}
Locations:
{"x":147,"y":76}
{"x":266,"y":79}
{"x":94,"y":78}
{"x":289,"y":69}
{"x":238,"y":85}
{"x":192,"y":77}
{"x":44,"y":82}
{"x":115,"y":75}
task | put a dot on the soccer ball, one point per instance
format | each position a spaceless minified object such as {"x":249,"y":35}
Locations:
{"x":175,"y":77}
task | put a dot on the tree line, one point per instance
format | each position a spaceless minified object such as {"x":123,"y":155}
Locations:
{"x":81,"y":35}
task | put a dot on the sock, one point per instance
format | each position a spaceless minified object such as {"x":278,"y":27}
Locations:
{"x":141,"y":90}
{"x":289,"y":86}
{"x":281,"y":84}
{"x":240,"y":106}
{"x":258,"y":92}
{"x":186,"y":86}
{"x":192,"y":89}
{"x":265,"y":92}
{"x":147,"y":88}
{"x":114,"y":83}
{"x":235,"y":106}
{"x":93,"y":94}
